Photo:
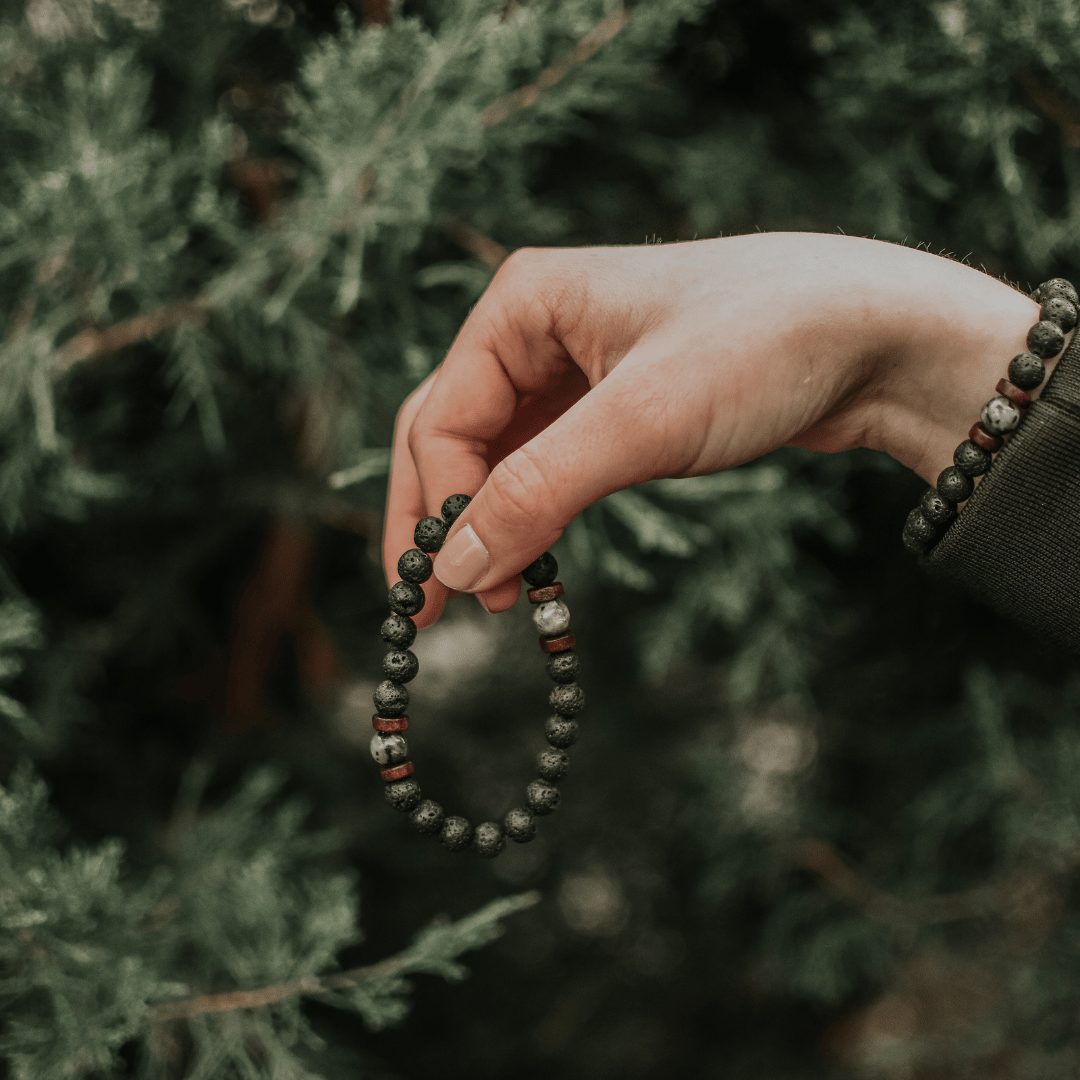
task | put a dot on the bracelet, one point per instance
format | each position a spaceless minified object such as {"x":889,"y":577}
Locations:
{"x":389,"y":747}
{"x":1058,"y":314}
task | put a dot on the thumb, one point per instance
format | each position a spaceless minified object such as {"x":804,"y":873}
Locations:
{"x":532,"y":494}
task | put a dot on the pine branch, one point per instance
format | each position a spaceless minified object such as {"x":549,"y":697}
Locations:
{"x":487,"y":250}
{"x":842,"y":881}
{"x":587,"y":47}
{"x":101,"y":341}
{"x":467,"y":933}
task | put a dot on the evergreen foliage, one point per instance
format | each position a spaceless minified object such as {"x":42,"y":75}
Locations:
{"x":234,"y":234}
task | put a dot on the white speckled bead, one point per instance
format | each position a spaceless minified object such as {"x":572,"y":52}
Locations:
{"x":389,"y":749}
{"x":552,"y":617}
{"x":1000,"y":416}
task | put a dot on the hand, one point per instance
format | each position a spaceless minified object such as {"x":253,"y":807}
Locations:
{"x":583,"y":371}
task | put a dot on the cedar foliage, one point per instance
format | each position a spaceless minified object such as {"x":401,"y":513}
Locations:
{"x":233,"y":235}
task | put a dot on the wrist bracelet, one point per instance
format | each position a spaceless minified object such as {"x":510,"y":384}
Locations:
{"x":928,"y":522}
{"x":389,"y":747}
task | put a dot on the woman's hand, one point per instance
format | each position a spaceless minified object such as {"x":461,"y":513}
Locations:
{"x":583,"y":371}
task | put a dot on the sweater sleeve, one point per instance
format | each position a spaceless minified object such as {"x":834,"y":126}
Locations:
{"x":1016,"y":543}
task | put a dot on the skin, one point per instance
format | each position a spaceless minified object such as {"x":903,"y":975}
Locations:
{"x":583,"y":371}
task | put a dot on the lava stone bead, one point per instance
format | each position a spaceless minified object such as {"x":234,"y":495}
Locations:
{"x":488,"y":840}
{"x":1000,"y":416}
{"x":455,"y":834}
{"x":400,"y":665}
{"x":520,"y":825}
{"x":427,"y":818}
{"x":391,"y":699}
{"x":971,"y":459}
{"x":403,"y":795}
{"x":552,"y":764}
{"x":429,"y":534}
{"x":398,"y":631}
{"x":406,"y":598}
{"x":1045,"y":339}
{"x":563,"y":667}
{"x":940,"y":511}
{"x":561,"y":732}
{"x":1057,"y":287}
{"x":919,"y":527}
{"x":567,"y":700}
{"x":954,"y":485}
{"x":1026,"y":371}
{"x":452,"y":508}
{"x":1060,"y":312}
{"x":541,"y":572}
{"x":389,"y":749}
{"x":542,"y":797}
{"x":414,"y":566}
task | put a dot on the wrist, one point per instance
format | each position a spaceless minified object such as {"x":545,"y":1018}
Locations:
{"x":945,"y":346}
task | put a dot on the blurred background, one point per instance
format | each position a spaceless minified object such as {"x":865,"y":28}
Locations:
{"x":824,"y":816}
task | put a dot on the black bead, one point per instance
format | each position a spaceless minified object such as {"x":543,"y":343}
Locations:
{"x":452,"y":508}
{"x":563,"y":667}
{"x":1060,"y":312}
{"x":429,"y":534}
{"x":913,"y":545}
{"x":520,"y":825}
{"x":542,"y":571}
{"x":488,"y":840}
{"x":561,"y":732}
{"x":427,"y":818}
{"x":400,"y":665}
{"x":920,"y":526}
{"x":1026,"y":371}
{"x":567,"y":700}
{"x":398,"y":630}
{"x":954,"y":485}
{"x":406,"y":598}
{"x":1057,"y":287}
{"x":971,"y":459}
{"x":456,"y":833}
{"x":542,"y":797}
{"x":403,"y":794}
{"x":414,"y":566}
{"x":940,"y":511}
{"x":552,"y":764}
{"x":1045,"y":339}
{"x":391,"y":699}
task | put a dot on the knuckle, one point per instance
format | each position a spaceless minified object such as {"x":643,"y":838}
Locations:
{"x":521,"y":488}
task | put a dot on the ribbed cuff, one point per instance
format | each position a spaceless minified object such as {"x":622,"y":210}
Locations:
{"x":1016,"y":543}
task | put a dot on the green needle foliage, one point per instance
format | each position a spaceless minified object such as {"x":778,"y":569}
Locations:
{"x":234,"y":236}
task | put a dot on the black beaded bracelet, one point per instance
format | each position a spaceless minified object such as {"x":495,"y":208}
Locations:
{"x":400,"y":665}
{"x":937,"y":510}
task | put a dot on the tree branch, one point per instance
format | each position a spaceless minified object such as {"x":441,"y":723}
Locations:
{"x":271,"y":995}
{"x":587,"y":47}
{"x":97,"y":342}
{"x":845,"y":883}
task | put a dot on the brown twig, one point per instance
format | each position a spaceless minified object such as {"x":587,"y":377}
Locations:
{"x":843,"y":882}
{"x":1053,"y":104}
{"x":271,"y":995}
{"x":487,"y":250}
{"x":96,"y":342}
{"x":587,"y":47}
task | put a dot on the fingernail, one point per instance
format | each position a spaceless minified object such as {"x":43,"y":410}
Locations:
{"x":463,"y":561}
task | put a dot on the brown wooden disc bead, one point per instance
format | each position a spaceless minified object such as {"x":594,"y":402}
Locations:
{"x":397,"y":772}
{"x":545,"y":594}
{"x":381,"y":723}
{"x":558,"y":644}
{"x":981,"y":437}
{"x":1020,"y":398}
